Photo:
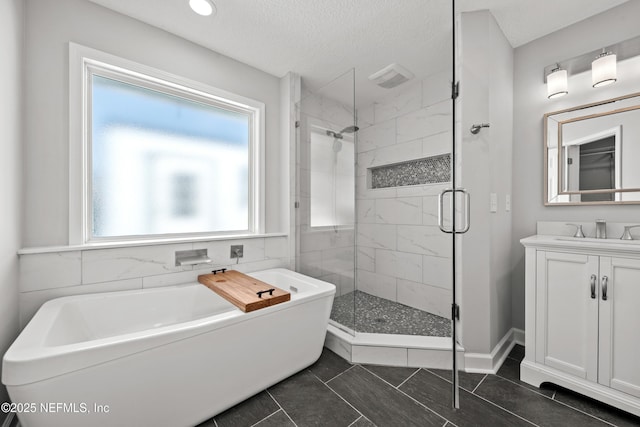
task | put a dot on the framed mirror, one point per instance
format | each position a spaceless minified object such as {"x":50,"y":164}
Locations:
{"x":592,"y":153}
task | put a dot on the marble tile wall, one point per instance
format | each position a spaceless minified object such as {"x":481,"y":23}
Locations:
{"x":44,"y":276}
{"x":401,"y":253}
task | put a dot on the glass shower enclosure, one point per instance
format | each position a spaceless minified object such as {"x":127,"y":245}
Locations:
{"x":375,"y":175}
{"x":325,"y":191}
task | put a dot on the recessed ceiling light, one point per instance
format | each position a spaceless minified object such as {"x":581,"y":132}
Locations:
{"x":202,"y":7}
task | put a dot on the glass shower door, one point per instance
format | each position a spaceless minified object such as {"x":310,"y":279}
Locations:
{"x":459,"y":202}
{"x":325,"y":191}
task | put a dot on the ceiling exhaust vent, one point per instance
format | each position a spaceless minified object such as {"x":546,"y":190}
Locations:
{"x":391,"y":76}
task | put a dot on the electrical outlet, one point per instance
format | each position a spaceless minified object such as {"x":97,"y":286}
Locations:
{"x":493,"y":202}
{"x":237,"y":251}
{"x":507,"y":203}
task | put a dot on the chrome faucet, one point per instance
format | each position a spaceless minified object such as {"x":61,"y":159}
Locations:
{"x":627,"y":232}
{"x":579,"y":232}
{"x":601,"y":229}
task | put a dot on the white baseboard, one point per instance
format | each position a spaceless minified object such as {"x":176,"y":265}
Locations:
{"x":518,"y":335}
{"x":489,"y":363}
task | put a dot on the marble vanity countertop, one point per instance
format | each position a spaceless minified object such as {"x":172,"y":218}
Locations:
{"x":612,"y":245}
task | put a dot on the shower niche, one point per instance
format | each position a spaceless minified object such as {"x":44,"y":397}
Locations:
{"x":429,"y":170}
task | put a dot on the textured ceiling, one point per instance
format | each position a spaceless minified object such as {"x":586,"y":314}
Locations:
{"x":525,"y":20}
{"x":322,"y":39}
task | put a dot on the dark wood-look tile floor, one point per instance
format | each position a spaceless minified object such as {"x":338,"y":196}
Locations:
{"x":335,"y":393}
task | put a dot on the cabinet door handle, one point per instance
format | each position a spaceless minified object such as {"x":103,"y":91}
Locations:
{"x":605,"y":281}
{"x":593,"y":286}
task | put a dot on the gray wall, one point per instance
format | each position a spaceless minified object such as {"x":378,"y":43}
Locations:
{"x":486,"y":97}
{"x":11,"y":42}
{"x":531,"y":103}
{"x":50,"y":26}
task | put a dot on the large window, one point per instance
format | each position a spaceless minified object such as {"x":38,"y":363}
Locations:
{"x":163,"y":157}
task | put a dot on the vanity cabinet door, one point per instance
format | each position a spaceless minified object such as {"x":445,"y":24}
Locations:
{"x":567,"y":313}
{"x":619,"y":365}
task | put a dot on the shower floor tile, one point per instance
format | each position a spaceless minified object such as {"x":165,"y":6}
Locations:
{"x":381,"y":316}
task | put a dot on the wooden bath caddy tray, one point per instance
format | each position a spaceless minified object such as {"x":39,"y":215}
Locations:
{"x":245,"y":292}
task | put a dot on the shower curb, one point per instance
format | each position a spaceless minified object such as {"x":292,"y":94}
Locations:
{"x":393,"y":350}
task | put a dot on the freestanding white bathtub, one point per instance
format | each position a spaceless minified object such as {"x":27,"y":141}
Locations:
{"x":171,"y":356}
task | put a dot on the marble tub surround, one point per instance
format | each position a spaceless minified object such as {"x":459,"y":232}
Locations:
{"x":401,"y":253}
{"x":44,"y":276}
{"x":560,"y":228}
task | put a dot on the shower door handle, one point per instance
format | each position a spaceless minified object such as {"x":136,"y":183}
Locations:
{"x":441,"y":208}
{"x":467,"y":210}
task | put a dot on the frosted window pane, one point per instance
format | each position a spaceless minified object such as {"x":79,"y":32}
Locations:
{"x":332,"y":181}
{"x":162,"y":164}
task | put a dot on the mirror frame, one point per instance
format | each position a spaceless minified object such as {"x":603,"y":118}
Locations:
{"x":559,"y":171}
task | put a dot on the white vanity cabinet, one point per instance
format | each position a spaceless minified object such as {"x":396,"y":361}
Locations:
{"x":583,"y":317}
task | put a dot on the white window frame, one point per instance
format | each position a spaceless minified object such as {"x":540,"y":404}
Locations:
{"x":84,"y":62}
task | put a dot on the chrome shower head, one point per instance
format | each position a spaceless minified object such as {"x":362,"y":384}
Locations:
{"x":338,"y":135}
{"x":350,"y":129}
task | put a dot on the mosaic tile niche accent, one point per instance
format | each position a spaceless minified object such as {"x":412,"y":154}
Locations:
{"x":430,"y":170}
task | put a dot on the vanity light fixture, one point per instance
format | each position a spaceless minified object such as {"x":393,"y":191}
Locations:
{"x":557,"y":83}
{"x":602,"y":62}
{"x":603,"y":69}
{"x":202,"y":7}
